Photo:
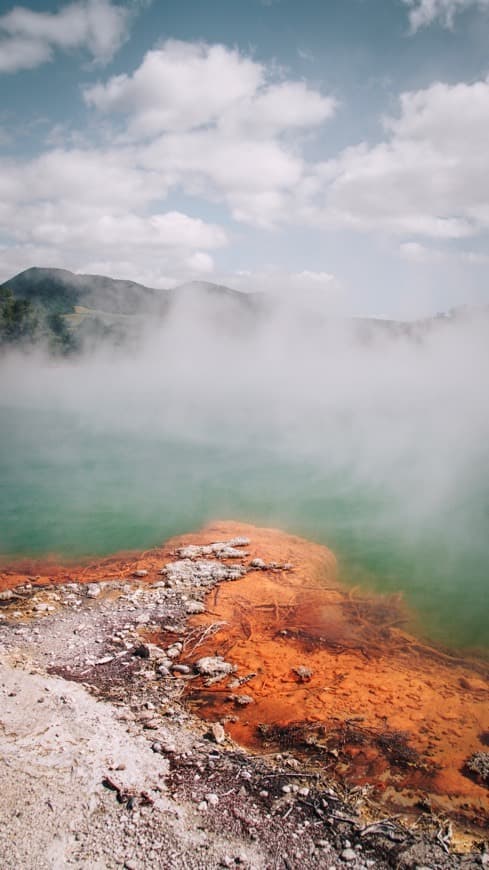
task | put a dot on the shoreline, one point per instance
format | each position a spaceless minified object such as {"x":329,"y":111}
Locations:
{"x":129,"y":590}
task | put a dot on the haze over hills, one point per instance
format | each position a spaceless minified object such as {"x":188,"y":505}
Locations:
{"x":69,"y":311}
{"x":95,"y":308}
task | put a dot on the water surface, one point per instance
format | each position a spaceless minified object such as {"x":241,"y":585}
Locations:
{"x":76,"y":490}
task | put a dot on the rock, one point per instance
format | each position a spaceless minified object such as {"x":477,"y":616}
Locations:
{"x":348,"y":855}
{"x":303,"y":673}
{"x":218,"y":732}
{"x":194,"y":607}
{"x":259,"y":564}
{"x":7,"y":595}
{"x":478,"y":763}
{"x":141,"y":651}
{"x":212,"y":799}
{"x":201,"y":572}
{"x":213,"y":666}
{"x":242,"y":700}
{"x":180,"y":669}
{"x":221,"y":549}
{"x":93,"y":591}
{"x":163,"y":671}
{"x":157,"y":747}
{"x":140,"y":573}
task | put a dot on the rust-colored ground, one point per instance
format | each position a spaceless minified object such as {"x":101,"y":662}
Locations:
{"x":380,"y":707}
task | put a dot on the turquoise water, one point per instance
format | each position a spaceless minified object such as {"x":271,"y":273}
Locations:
{"x":74,"y":491}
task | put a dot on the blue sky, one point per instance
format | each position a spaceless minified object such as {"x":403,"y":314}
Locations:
{"x":334,"y":150}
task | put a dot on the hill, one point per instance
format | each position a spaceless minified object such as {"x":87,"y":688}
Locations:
{"x":87,"y":310}
{"x":58,"y":290}
{"x":69,"y":312}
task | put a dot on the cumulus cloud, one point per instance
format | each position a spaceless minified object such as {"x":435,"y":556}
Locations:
{"x":301,"y":291}
{"x":217,"y":122}
{"x":183,"y":86}
{"x":428,"y":178}
{"x":29,"y":38}
{"x":415,"y":252}
{"x":178,"y":87}
{"x":66,"y":207}
{"x":424,"y":12}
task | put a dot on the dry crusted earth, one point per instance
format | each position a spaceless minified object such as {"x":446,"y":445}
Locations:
{"x":103,"y":766}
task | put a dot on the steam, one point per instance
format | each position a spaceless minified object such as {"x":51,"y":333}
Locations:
{"x":290,"y":418}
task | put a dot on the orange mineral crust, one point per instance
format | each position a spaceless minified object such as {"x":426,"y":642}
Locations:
{"x":327,"y":671}
{"x":321,"y":670}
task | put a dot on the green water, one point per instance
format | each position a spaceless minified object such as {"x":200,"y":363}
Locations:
{"x":70,"y":490}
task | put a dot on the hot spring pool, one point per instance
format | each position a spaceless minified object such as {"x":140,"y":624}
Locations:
{"x":73,"y":490}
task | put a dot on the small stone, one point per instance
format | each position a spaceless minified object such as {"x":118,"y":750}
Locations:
{"x":348,"y":855}
{"x":202,"y":806}
{"x":180,"y":669}
{"x":140,"y":573}
{"x":93,"y":591}
{"x":303,"y":792}
{"x":7,"y":595}
{"x":212,"y":799}
{"x":286,"y":789}
{"x":303,"y":673}
{"x":194,"y":607}
{"x":218,"y":732}
{"x":212,"y":666}
{"x":141,"y":651}
{"x":258,"y":563}
{"x":157,"y":747}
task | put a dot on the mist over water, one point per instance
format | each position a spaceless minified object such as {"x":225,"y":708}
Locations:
{"x":378,"y":449}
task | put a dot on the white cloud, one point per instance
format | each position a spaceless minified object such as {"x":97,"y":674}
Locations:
{"x":29,"y":38}
{"x":415,"y":252}
{"x":428,"y":178}
{"x":307,"y":285}
{"x":218,"y":123}
{"x":425,"y":12}
{"x":178,"y":87}
{"x":73,"y":207}
{"x":200,"y":263}
{"x":183,"y":86}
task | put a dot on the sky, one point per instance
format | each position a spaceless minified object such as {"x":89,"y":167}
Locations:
{"x":332,"y":150}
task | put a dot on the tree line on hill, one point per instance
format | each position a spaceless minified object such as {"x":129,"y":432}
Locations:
{"x":23,"y":323}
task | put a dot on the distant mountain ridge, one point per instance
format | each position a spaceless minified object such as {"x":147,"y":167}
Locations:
{"x":75,"y":312}
{"x":60,"y":290}
{"x":95,"y":308}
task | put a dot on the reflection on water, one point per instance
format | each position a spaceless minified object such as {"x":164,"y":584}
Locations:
{"x":68,"y":489}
